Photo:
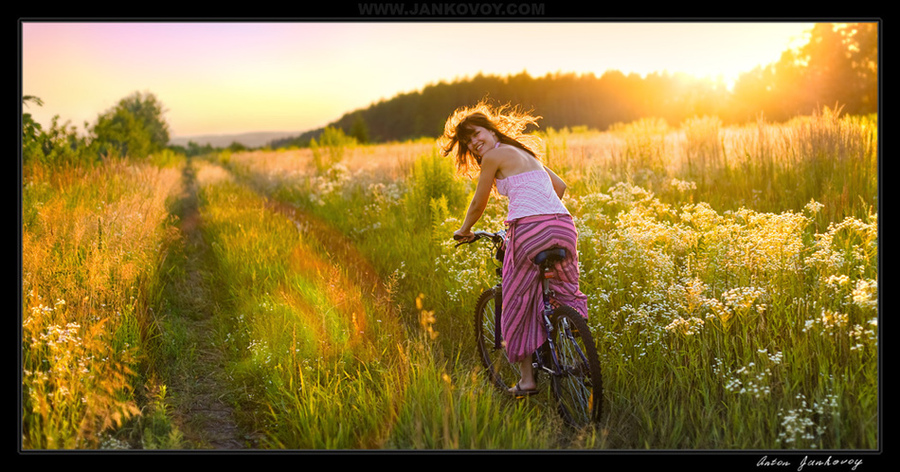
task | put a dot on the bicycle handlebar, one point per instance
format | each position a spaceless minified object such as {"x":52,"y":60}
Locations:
{"x":497,"y":237}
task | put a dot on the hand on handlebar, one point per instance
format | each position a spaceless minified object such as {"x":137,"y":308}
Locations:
{"x":471,"y":237}
{"x":463,"y":236}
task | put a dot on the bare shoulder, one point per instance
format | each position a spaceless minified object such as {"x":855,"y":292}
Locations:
{"x":510,"y":156}
{"x":498,"y":156}
{"x":502,"y":152}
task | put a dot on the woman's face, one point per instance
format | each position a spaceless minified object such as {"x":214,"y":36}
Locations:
{"x":481,"y":140}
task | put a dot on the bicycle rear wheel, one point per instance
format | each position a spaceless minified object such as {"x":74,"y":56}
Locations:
{"x":499,"y":371}
{"x":578,"y":385}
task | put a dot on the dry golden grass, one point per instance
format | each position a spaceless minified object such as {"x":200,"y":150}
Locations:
{"x":90,"y":251}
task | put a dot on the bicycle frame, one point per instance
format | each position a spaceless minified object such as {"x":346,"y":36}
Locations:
{"x":499,"y":239}
{"x":547,"y":293}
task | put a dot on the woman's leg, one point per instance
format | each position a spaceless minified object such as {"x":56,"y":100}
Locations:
{"x":527,"y":370}
{"x":526,"y":382}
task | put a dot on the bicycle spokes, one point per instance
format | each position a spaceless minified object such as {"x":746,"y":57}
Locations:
{"x":500,"y":371}
{"x":577,"y":380}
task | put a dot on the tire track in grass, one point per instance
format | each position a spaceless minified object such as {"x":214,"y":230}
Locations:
{"x":342,"y":253}
{"x":345,"y":263}
{"x":360,"y":298}
{"x":333,"y":286}
{"x":353,"y":282}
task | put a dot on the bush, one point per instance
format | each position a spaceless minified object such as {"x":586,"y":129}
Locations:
{"x":330,"y":148}
{"x":434,"y":177}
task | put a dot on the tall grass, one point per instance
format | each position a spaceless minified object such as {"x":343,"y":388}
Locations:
{"x":732,"y":271}
{"x":91,"y":252}
{"x":770,"y":167}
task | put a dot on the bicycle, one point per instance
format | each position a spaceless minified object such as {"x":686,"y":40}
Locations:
{"x":569,"y":355}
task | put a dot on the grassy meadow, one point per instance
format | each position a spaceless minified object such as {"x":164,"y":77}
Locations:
{"x":731,"y":274}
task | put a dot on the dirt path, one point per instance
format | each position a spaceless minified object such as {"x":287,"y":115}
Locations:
{"x":198,"y":383}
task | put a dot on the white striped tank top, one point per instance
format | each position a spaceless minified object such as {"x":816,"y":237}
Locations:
{"x":530,"y":193}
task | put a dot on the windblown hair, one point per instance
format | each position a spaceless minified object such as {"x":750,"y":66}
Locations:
{"x":508,"y":123}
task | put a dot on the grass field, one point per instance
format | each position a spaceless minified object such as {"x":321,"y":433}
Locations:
{"x":731,"y":274}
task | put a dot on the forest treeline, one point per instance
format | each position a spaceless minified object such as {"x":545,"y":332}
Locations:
{"x":837,"y":67}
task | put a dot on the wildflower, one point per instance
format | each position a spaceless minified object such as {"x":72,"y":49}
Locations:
{"x":836,"y":281}
{"x":427,"y":320}
{"x":865,"y":295}
{"x":829,"y":321}
{"x":419,"y":301}
{"x":426,"y":317}
{"x":742,"y":298}
{"x":798,"y":428}
{"x":686,"y":327}
{"x":718,"y":310}
{"x":814,"y":206}
{"x":688,"y":295}
{"x":862,"y":336}
{"x":682,"y":185}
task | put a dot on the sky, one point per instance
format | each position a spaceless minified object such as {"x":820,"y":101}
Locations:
{"x":239,"y":77}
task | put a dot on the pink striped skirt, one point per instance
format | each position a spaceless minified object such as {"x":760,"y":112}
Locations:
{"x":521,"y":324}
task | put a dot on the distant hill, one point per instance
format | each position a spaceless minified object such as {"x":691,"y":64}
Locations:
{"x":560,"y":99}
{"x":250,"y":140}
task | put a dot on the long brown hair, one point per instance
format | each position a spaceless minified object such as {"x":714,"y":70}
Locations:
{"x":507,"y":123}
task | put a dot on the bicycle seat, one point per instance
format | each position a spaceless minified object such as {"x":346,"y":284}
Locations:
{"x":550,"y":256}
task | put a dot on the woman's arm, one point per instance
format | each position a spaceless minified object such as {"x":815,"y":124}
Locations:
{"x":489,"y":166}
{"x":558,"y":185}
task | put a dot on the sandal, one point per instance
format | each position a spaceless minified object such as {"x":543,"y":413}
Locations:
{"x":518,"y":391}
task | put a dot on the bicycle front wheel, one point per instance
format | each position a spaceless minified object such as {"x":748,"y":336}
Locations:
{"x":499,"y":371}
{"x":577,"y":384}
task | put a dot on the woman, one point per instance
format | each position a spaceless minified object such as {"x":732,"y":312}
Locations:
{"x":493,"y":143}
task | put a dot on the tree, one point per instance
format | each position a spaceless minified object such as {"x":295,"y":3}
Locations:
{"x":59,"y":145}
{"x":135,"y":127}
{"x":862,"y":41}
{"x":31,"y":130}
{"x":360,"y":130}
{"x":827,"y":77}
{"x":837,"y":66}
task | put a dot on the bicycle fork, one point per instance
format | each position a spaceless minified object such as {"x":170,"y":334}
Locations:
{"x":498,"y":308}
